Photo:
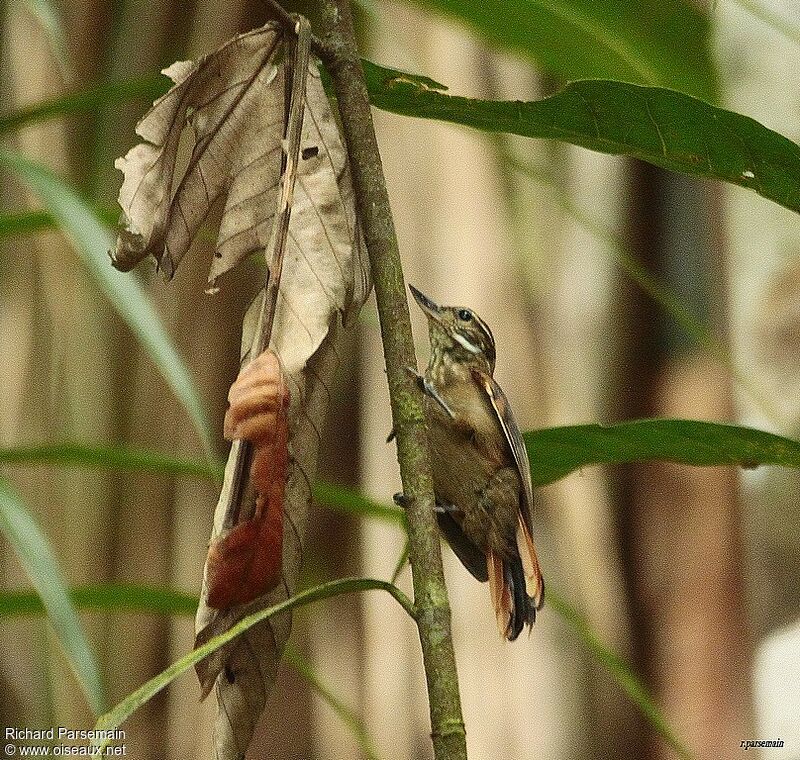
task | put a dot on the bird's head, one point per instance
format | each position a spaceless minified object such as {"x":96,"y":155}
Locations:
{"x":457,"y":333}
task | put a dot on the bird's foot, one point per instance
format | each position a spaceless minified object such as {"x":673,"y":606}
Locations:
{"x":439,"y":508}
{"x":430,"y":390}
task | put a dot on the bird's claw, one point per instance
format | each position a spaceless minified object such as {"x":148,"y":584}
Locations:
{"x":439,"y":508}
{"x":429,"y":390}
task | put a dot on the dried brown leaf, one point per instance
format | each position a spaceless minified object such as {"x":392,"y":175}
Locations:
{"x":233,"y":100}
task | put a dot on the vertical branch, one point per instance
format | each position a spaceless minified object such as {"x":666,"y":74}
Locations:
{"x":430,"y":593}
{"x":298,"y":52}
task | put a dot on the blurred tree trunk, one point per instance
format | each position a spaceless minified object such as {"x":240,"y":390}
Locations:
{"x":679,"y":527}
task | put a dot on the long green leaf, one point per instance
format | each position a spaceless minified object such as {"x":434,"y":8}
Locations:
{"x":119,"y":597}
{"x":92,"y":241}
{"x":655,"y":42}
{"x":657,"y":125}
{"x":622,"y":673}
{"x":28,"y":222}
{"x":665,"y":128}
{"x":122,"y":597}
{"x":340,"y":498}
{"x":38,"y":560}
{"x":109,"y":597}
{"x":110,"y":457}
{"x":555,"y":452}
{"x":133,"y":701}
{"x":349,"y":501}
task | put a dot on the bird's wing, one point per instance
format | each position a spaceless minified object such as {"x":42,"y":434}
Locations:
{"x":513,"y":437}
{"x":516,"y":444}
{"x":473,"y":558}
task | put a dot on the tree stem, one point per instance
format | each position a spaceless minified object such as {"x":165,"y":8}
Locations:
{"x":372,"y":201}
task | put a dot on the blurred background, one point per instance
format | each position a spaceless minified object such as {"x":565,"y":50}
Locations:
{"x":690,"y":574}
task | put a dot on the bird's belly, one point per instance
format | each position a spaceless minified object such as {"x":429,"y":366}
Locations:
{"x":465,"y":478}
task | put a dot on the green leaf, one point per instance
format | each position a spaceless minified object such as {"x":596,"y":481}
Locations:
{"x":555,"y":452}
{"x":92,"y":241}
{"x":621,"y":672}
{"x":665,"y":128}
{"x":114,"y":457}
{"x":118,"y":597}
{"x":133,"y":701}
{"x":29,"y":222}
{"x":111,"y":597}
{"x":85,"y":101}
{"x":121,"y":597}
{"x":25,"y":222}
{"x":38,"y":560}
{"x":656,"y":42}
{"x":340,"y":498}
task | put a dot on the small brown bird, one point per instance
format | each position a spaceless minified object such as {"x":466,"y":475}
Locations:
{"x":484,"y":495}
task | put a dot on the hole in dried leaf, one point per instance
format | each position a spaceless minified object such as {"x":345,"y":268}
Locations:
{"x":309,"y":152}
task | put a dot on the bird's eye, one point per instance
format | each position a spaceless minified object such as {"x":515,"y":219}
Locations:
{"x":464,"y":315}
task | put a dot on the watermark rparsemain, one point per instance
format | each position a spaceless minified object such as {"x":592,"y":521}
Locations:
{"x":760,"y":743}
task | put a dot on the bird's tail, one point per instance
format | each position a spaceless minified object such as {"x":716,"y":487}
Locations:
{"x":516,"y":585}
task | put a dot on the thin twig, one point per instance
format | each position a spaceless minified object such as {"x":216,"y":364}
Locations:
{"x":372,"y":202}
{"x":298,"y":41}
{"x":287,"y":20}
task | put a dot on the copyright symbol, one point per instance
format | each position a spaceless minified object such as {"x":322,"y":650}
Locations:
{"x":10,"y":749}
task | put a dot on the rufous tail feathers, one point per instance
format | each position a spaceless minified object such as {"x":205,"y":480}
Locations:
{"x":513,"y":607}
{"x":534,"y":581}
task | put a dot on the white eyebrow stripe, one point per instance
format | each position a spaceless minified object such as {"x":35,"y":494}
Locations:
{"x":471,"y":347}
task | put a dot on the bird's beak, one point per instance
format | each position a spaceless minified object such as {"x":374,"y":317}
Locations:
{"x":432,"y":310}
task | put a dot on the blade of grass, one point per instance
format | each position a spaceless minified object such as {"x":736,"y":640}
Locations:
{"x":133,"y":701}
{"x":346,"y":715}
{"x":121,"y":597}
{"x":38,"y":560}
{"x":92,"y":241}
{"x":402,"y":560}
{"x":773,"y":20}
{"x":622,"y":673}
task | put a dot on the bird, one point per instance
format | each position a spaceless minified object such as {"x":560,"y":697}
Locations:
{"x":482,"y":482}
